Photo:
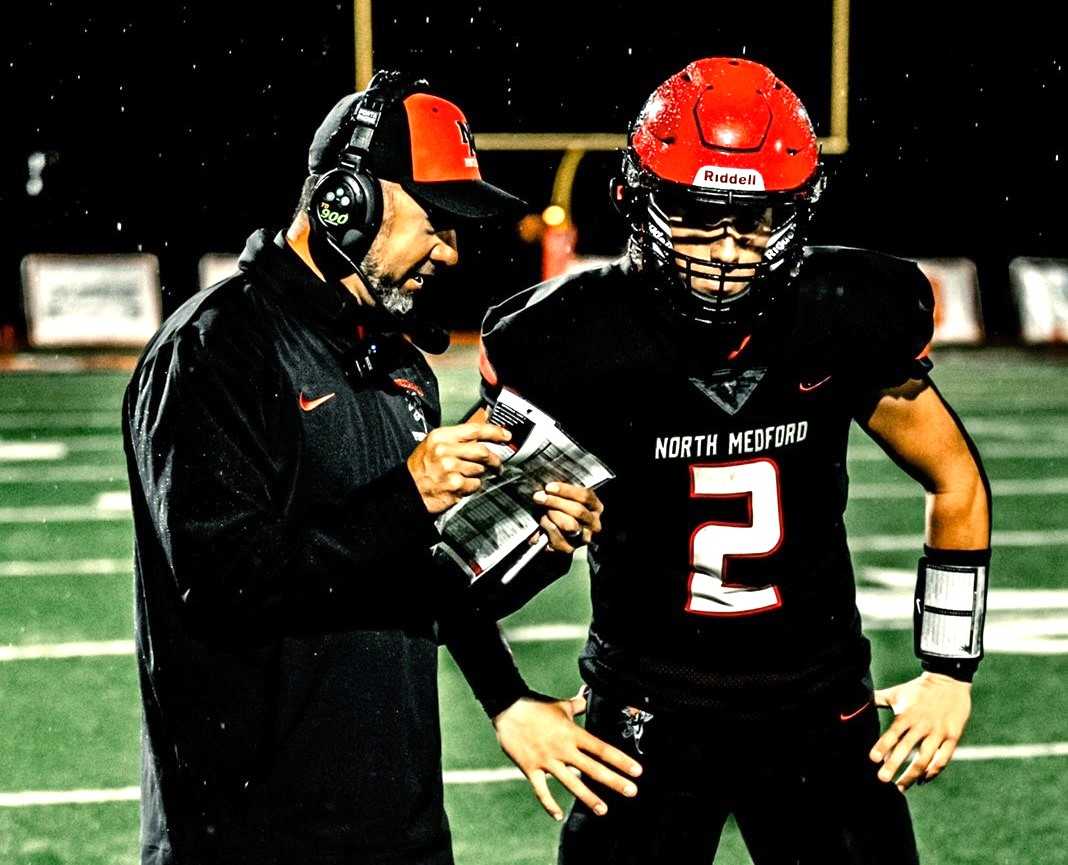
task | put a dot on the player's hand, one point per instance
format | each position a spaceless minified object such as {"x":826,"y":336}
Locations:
{"x":572,"y":516}
{"x":931,"y":712}
{"x":447,"y":464}
{"x":542,"y":738}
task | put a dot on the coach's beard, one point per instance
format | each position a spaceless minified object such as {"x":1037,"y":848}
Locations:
{"x":387,"y":293}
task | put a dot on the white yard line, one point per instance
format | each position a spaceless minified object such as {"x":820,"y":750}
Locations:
{"x":498,"y":775}
{"x":1013,"y":487}
{"x":24,"y":450}
{"x":61,"y":514}
{"x":94,"y":443}
{"x":889,"y":543}
{"x":61,"y":420}
{"x":67,"y":650}
{"x":994,"y":450}
{"x":21,"y":452}
{"x":69,"y":567}
{"x":546,"y":633}
{"x":111,"y":473}
{"x":1011,"y":752}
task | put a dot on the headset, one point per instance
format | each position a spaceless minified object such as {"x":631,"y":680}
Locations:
{"x":345,"y":208}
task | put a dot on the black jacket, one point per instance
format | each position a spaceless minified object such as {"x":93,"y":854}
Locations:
{"x":285,"y":595}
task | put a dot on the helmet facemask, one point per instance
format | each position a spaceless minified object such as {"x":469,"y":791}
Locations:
{"x":704,"y":288}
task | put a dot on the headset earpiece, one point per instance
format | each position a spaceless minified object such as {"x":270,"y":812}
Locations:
{"x":346,"y":206}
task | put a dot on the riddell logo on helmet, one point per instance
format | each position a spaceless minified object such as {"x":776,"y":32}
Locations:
{"x":711,"y":176}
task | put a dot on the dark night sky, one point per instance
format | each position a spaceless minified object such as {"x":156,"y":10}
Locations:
{"x":178,"y":128}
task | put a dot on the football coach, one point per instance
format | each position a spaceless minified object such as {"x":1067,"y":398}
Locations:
{"x":286,"y":466}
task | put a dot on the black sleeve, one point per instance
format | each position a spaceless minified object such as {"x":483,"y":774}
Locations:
{"x":212,"y":463}
{"x":480,"y":651}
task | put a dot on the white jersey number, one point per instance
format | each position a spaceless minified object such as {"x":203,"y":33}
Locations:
{"x":714,"y":544}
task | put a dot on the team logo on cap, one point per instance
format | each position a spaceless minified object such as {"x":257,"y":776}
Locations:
{"x":471,"y":161}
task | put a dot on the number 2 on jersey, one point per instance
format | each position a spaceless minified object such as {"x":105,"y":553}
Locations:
{"x":714,"y":544}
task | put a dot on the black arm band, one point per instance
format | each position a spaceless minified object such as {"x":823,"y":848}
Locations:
{"x":950,"y":610}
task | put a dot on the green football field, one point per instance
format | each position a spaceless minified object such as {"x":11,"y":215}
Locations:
{"x":69,"y":707}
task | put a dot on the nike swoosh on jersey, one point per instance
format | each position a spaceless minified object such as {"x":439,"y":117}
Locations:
{"x":312,"y":404}
{"x":852,"y":715}
{"x":805,"y":388}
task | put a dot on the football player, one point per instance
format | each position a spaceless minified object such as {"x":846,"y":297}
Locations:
{"x":716,"y":368}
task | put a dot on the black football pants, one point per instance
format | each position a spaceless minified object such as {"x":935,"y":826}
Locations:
{"x":804,"y":794}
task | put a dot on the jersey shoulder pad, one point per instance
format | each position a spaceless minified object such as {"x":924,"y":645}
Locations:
{"x":875,"y":310}
{"x":536,"y":326}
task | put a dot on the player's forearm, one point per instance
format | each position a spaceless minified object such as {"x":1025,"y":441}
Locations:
{"x":958,"y":515}
{"x":958,"y":508}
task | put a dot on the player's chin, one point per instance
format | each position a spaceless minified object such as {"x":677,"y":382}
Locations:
{"x":710,"y":288}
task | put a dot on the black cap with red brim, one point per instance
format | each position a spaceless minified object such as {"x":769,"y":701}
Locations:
{"x":424,"y":144}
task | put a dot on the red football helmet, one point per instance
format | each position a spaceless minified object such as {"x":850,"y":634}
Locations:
{"x":721,"y":143}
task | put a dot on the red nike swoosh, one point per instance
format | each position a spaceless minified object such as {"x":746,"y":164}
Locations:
{"x":311,"y":404}
{"x":805,"y":388}
{"x":852,"y":715}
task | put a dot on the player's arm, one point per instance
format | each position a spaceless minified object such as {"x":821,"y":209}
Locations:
{"x":920,"y":432}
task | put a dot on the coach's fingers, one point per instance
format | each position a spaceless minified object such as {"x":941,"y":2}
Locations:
{"x":542,"y":794}
{"x":577,"y":789}
{"x":941,"y":759}
{"x":888,"y":739}
{"x":605,"y":776}
{"x":473,"y":452}
{"x":900,"y":753}
{"x":465,"y":432}
{"x":463,"y":486}
{"x":455,"y":465}
{"x":581,"y":513}
{"x":583,"y":495}
{"x":568,"y":525}
{"x":918,"y":767}
{"x":556,"y":539}
{"x":608,"y":754}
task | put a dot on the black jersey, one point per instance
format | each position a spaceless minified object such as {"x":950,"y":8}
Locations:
{"x":722,"y":579}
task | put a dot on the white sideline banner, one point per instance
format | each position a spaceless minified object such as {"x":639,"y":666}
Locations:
{"x":958,"y":313}
{"x":216,"y":266}
{"x":90,"y":300}
{"x":1040,"y":289}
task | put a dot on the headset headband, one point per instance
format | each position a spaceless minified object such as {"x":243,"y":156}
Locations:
{"x":385,"y":89}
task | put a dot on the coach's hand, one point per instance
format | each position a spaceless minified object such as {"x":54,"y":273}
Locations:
{"x":541,"y":737}
{"x":572,"y":516}
{"x":447,"y":464}
{"x":931,"y":712}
